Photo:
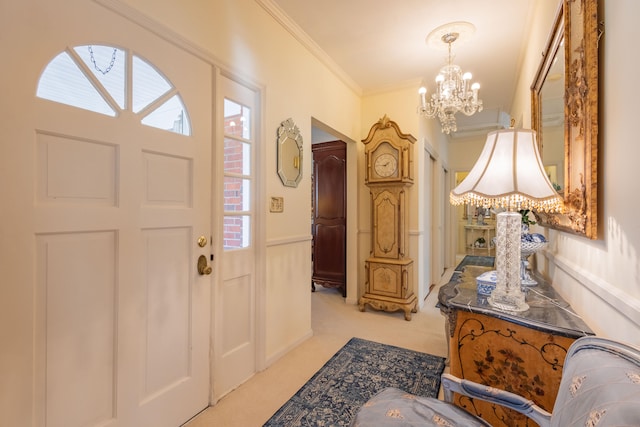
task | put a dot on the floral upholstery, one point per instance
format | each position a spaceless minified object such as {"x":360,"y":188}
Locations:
{"x":393,"y":407}
{"x":600,"y":387}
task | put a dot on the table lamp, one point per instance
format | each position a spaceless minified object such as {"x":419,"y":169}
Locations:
{"x":508,"y":174}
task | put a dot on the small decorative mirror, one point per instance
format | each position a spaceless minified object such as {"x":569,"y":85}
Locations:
{"x":289,"y":153}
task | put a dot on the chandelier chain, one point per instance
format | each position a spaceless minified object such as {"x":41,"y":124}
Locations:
{"x":97,"y":68}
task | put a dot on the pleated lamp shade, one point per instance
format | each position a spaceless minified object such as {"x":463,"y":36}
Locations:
{"x":508,"y":174}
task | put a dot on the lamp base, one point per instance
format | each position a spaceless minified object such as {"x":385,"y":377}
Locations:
{"x":508,"y":293}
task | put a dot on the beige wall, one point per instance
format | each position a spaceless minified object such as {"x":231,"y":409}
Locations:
{"x":249,"y":43}
{"x":601,"y":278}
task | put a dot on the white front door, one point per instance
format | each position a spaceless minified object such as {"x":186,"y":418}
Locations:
{"x":107,"y":210}
{"x":234,"y":355}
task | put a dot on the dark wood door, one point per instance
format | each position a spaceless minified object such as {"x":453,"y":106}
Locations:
{"x":329,"y":215}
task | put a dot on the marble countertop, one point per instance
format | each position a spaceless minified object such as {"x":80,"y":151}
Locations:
{"x":547,"y":310}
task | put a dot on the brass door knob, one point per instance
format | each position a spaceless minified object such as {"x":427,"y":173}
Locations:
{"x":203,"y":268}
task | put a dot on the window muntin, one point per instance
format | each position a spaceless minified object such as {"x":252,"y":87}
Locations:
{"x":108,"y":65}
{"x":237,"y":156}
{"x":171,"y":116}
{"x":63,"y":81}
{"x":148,"y":84}
{"x":237,"y":119}
{"x":237,"y":232}
{"x":93,"y":77}
{"x":237,"y":195}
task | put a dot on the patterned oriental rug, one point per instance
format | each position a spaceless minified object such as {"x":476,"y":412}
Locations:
{"x":352,"y":376}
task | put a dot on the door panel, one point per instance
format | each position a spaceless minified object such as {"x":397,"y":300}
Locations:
{"x":165,"y":349}
{"x":329,"y":215}
{"x":77,"y":286}
{"x":107,"y":212}
{"x":234,"y":352}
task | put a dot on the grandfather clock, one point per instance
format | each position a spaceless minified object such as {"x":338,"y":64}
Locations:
{"x":389,"y":174}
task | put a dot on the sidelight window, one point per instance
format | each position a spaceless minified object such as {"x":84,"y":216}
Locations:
{"x":237,"y":175}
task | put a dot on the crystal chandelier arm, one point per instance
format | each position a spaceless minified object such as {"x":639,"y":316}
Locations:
{"x":432,"y":108}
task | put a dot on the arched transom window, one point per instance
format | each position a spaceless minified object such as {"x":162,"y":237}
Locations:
{"x":97,"y":78}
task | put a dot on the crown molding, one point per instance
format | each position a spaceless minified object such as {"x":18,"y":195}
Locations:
{"x":298,"y":33}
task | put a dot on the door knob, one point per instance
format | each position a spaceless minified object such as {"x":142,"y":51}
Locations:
{"x":203,"y":268}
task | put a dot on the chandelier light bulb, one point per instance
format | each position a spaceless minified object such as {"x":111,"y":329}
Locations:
{"x":466,"y":76}
{"x":423,"y":98}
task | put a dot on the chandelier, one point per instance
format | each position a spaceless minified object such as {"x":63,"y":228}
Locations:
{"x":454,"y":93}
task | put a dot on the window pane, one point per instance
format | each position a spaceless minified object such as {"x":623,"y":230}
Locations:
{"x":148,"y":84}
{"x":170,"y":116}
{"x":108,"y":65}
{"x":237,"y":231}
{"x":237,"y":157}
{"x":237,"y":119}
{"x":66,"y":80}
{"x":236,"y":194}
{"x":63,"y":82}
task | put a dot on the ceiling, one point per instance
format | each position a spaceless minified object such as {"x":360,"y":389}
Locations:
{"x":381,"y":45}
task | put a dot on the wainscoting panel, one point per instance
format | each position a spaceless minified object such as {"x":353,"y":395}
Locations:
{"x":289,"y":294}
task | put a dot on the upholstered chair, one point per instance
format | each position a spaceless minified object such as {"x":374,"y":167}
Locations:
{"x":600,"y":386}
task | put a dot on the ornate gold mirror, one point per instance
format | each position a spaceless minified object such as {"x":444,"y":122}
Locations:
{"x":289,"y":153}
{"x":565,"y":115}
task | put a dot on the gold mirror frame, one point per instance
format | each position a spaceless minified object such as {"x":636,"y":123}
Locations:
{"x":576,"y":30}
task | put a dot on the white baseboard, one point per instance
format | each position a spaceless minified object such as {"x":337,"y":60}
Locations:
{"x":274,"y":358}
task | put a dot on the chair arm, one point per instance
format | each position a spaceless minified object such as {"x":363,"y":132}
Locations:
{"x":451,"y":384}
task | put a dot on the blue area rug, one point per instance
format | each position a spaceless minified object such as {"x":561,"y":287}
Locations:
{"x":483,"y":261}
{"x":352,"y":376}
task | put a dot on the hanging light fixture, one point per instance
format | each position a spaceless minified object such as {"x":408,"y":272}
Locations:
{"x":454,"y":92}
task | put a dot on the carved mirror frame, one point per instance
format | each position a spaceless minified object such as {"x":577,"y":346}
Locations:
{"x":576,"y":31}
{"x":289,"y":145}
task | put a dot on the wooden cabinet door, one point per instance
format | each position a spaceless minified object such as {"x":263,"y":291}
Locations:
{"x":329,"y":215}
{"x":508,"y":356}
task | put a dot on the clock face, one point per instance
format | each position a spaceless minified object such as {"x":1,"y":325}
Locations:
{"x":386,"y":165}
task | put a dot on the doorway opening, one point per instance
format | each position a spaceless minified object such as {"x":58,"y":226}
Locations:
{"x":334,"y":215}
